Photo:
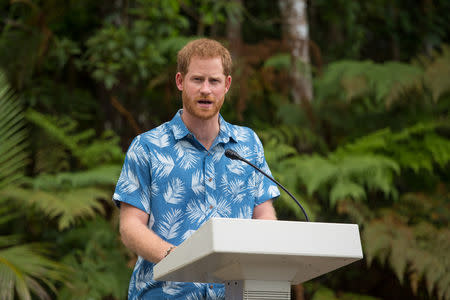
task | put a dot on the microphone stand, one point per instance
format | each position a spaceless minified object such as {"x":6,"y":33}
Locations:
{"x":231,"y":154}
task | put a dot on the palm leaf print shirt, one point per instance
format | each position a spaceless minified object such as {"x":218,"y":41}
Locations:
{"x":168,"y":174}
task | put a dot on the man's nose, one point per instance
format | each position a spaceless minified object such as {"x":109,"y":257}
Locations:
{"x":205,"y":88}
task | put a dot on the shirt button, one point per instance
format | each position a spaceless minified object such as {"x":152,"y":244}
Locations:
{"x":209,"y":179}
{"x":211,"y":207}
{"x":210,"y":286}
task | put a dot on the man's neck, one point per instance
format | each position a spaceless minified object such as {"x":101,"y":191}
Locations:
{"x":205,"y":131}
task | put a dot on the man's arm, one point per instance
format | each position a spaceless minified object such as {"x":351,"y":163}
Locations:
{"x":137,"y":237}
{"x":265,"y":211}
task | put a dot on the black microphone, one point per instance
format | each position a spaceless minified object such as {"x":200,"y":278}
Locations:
{"x":231,"y":154}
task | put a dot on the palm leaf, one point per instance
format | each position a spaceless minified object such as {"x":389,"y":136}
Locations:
{"x":12,"y":136}
{"x":24,"y":268}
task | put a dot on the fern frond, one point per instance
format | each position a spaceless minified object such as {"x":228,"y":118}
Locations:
{"x":358,"y":211}
{"x":89,"y":152}
{"x":293,"y":136}
{"x":343,"y":189}
{"x":416,"y":147}
{"x":439,"y":147}
{"x":315,"y":171}
{"x":437,"y":73}
{"x":66,"y":206}
{"x":347,"y":175}
{"x":358,"y":79}
{"x":58,"y":130}
{"x":421,"y":250}
{"x":284,"y":149}
{"x":280,"y":155}
{"x":105,"y":175}
{"x":376,"y":243}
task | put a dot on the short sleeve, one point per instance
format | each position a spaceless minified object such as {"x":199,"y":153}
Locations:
{"x":134,"y":182}
{"x":267,"y":189}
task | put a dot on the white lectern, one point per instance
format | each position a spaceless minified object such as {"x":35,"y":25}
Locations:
{"x":260,"y":259}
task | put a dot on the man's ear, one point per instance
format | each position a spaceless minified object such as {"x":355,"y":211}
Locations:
{"x":179,"y":81}
{"x":227,"y":83}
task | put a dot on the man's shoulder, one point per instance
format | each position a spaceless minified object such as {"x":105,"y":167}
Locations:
{"x":243,"y":133}
{"x":156,"y":137}
{"x":161,"y":129}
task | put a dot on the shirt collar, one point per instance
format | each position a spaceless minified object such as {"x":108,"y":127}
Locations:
{"x":226,"y":132}
{"x":179,"y":129}
{"x":176,"y":125}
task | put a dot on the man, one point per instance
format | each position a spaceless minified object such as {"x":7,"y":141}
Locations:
{"x":176,"y":176}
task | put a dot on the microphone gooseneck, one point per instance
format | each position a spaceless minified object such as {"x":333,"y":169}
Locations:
{"x":231,"y":154}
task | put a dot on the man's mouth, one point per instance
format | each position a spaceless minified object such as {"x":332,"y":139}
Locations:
{"x":204,"y":101}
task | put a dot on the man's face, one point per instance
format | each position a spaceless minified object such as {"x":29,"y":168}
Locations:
{"x":203,"y":87}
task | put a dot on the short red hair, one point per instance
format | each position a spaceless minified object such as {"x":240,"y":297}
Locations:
{"x":203,"y":48}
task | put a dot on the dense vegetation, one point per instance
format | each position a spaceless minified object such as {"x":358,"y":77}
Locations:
{"x":80,"y":78}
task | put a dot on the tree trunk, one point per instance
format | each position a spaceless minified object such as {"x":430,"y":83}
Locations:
{"x":296,"y":34}
{"x":234,"y":29}
{"x":234,"y":36}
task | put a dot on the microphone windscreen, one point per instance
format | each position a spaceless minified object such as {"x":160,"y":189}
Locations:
{"x":231,"y":154}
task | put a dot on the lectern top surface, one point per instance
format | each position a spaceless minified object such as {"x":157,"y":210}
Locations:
{"x":230,"y":249}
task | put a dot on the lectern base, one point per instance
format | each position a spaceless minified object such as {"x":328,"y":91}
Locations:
{"x":257,"y":290}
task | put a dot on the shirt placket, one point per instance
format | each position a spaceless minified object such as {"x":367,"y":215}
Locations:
{"x":210,"y":181}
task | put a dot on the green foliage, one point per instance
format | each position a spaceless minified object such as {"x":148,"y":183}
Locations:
{"x":98,"y":267}
{"x":412,"y":238}
{"x":104,"y":175}
{"x":354,"y":98}
{"x":13,"y":136}
{"x":137,"y":52}
{"x":279,"y":151}
{"x":280,"y":61}
{"x":405,"y":241}
{"x":72,"y":196}
{"x":89,"y":150}
{"x":366,"y":165}
{"x":383,"y":29}
{"x":347,"y":174}
{"x":24,"y":268}
{"x":62,"y":50}
{"x":327,"y":294}
{"x":414,"y":138}
{"x":67,"y":206}
{"x":387,"y":130}
{"x":386,"y":83}
{"x":417,"y":147}
{"x":437,"y":74}
{"x":355,"y":79}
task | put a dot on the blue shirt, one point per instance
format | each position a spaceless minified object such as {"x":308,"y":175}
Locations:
{"x":172,"y":177}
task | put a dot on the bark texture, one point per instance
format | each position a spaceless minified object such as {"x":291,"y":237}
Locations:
{"x":294,"y":14}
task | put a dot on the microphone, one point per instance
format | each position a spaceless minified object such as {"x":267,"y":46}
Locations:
{"x":231,"y":154}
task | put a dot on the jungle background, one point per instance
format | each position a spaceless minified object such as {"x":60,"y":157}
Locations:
{"x":353,"y":113}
